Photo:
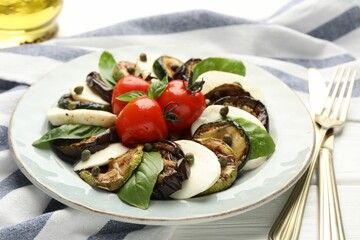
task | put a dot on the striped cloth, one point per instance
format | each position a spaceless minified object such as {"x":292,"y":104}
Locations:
{"x":302,"y":34}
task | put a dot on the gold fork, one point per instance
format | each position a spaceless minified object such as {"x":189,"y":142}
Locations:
{"x":288,"y":224}
{"x":331,"y":226}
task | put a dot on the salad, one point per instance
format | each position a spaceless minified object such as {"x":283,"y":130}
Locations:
{"x":160,"y":128}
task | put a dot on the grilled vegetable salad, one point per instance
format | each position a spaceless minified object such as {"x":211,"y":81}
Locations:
{"x":161,"y":128}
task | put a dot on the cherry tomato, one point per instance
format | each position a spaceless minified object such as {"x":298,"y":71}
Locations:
{"x":124,"y":85}
{"x":186,"y":105}
{"x":141,"y":121}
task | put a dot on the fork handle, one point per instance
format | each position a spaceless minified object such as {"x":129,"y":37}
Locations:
{"x":288,"y":224}
{"x":329,"y":200}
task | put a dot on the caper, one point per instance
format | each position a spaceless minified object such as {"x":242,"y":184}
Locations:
{"x":143,"y":57}
{"x":190,"y":157}
{"x":85,"y":155}
{"x":131,"y":70}
{"x":227,"y":139}
{"x":79,"y":89}
{"x":148,"y":147}
{"x":224,"y":111}
{"x":222,"y":161}
{"x":95,"y":171}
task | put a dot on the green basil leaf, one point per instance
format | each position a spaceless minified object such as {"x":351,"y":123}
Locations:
{"x":157,"y":88}
{"x":107,"y":65}
{"x":219,"y":64}
{"x":68,"y":131}
{"x":129,"y":96}
{"x":137,"y":190}
{"x":261,"y":142}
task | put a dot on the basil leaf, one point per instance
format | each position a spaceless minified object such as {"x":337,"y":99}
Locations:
{"x":129,"y":96}
{"x":261,"y":142}
{"x":137,"y":190}
{"x":218,"y":64}
{"x":68,"y":131}
{"x":107,"y":65}
{"x":157,"y":88}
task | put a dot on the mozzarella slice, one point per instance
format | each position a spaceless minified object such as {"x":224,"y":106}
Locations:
{"x":253,"y":163}
{"x":58,"y":116}
{"x":204,"y":171}
{"x":87,"y":95}
{"x":102,"y":157}
{"x":216,"y":78}
{"x":145,"y":68}
{"x":212,"y":114}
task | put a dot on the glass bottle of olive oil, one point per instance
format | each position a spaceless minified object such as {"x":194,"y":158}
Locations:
{"x":27,"y":21}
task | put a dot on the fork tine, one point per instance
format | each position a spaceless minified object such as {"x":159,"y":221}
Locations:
{"x":342,"y":93}
{"x":332,"y":91}
{"x":348,"y":97}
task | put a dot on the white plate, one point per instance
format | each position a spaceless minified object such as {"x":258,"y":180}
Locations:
{"x":290,"y":126}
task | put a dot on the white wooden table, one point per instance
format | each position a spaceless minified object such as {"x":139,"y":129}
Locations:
{"x":254,"y":224}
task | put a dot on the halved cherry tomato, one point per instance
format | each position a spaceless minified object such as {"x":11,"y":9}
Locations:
{"x":179,"y":101}
{"x":141,"y":121}
{"x":124,"y":85}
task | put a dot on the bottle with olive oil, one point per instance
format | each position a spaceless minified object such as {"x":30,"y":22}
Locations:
{"x":27,"y":21}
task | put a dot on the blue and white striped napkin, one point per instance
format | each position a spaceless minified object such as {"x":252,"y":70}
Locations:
{"x":302,"y":34}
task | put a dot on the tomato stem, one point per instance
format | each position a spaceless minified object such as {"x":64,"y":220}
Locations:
{"x":194,"y":87}
{"x":169,"y":114}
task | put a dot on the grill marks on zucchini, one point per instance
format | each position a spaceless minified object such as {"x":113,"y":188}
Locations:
{"x":229,"y":170}
{"x":117,"y":172}
{"x":166,"y":66}
{"x":240,"y":143}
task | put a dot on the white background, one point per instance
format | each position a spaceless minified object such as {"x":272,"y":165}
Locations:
{"x":78,"y":16}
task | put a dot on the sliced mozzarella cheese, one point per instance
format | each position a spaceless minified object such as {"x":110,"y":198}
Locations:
{"x":204,"y":171}
{"x":144,"y":68}
{"x":102,"y":157}
{"x":87,"y":95}
{"x":212,"y":114}
{"x":58,"y":116}
{"x":253,"y":163}
{"x":216,"y":78}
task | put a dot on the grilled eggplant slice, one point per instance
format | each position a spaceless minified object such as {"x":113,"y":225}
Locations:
{"x":116,"y":173}
{"x":67,"y":102}
{"x":249,"y":104}
{"x":228,"y":168}
{"x":95,"y":82}
{"x":166,"y":66}
{"x":176,"y":169}
{"x":184,"y":72}
{"x":71,"y":150}
{"x":232,"y":133}
{"x":226,"y":89}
